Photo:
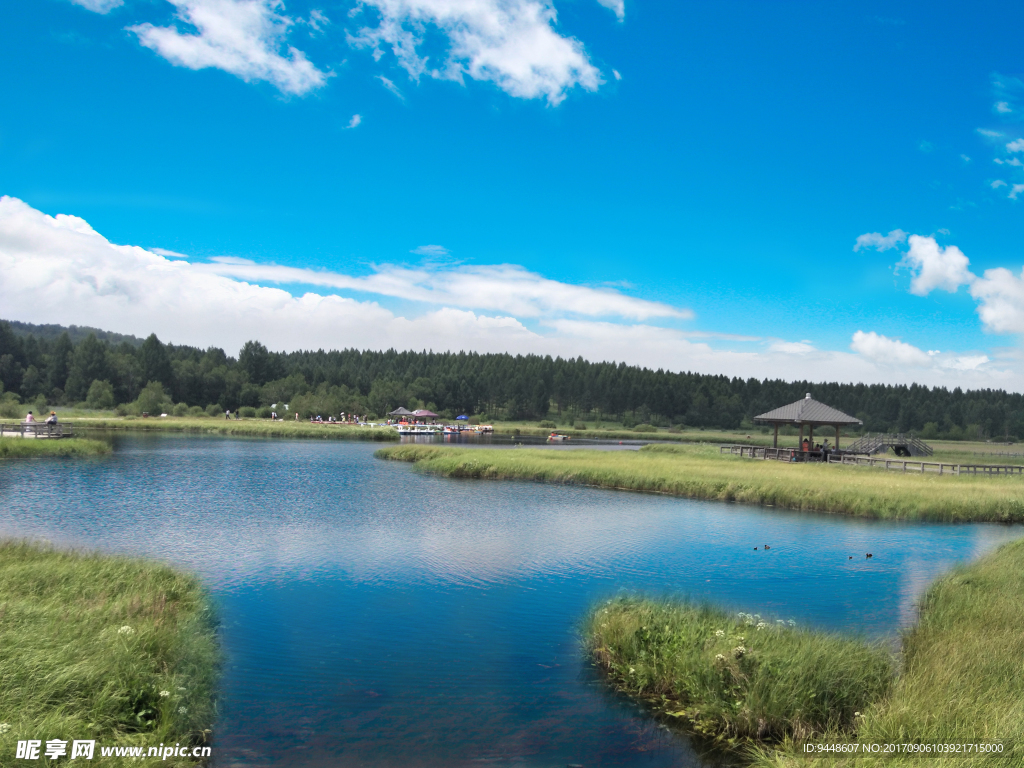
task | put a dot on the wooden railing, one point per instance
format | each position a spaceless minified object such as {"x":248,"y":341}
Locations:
{"x":893,"y":465}
{"x":35,"y":429}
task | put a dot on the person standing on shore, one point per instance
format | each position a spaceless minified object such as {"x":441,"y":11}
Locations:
{"x":30,"y":419}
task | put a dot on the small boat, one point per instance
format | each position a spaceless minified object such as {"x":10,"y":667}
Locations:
{"x":554,"y":437}
{"x":408,"y":429}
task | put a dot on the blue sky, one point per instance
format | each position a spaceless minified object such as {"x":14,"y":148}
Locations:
{"x":675,"y":185}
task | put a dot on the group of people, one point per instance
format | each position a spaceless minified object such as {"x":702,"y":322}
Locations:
{"x":51,"y":419}
{"x":825,"y":448}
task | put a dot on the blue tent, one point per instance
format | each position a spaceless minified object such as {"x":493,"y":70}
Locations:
{"x":463,"y":417}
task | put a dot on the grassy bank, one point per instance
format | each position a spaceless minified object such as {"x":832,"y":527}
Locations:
{"x":702,"y":473}
{"x":118,"y":650}
{"x":23,"y":448}
{"x":959,"y":678}
{"x":735,"y":678}
{"x":244,"y":427}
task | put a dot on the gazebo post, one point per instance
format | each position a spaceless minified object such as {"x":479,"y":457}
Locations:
{"x":800,"y":445}
{"x":811,"y":436}
{"x":837,"y":437}
{"x":776,"y":443}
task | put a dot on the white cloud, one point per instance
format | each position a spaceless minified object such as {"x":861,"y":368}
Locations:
{"x":1000,"y":294}
{"x":936,"y":267}
{"x":880,"y":242}
{"x":391,"y":87}
{"x":616,"y":74}
{"x":1017,"y":145}
{"x":1003,"y":107}
{"x":618,"y":6}
{"x":243,"y":37}
{"x":99,"y":6}
{"x":989,"y":134}
{"x":1015,"y":190}
{"x":512,"y":43}
{"x":57,"y":269}
{"x":430,"y":250}
{"x":355,"y":121}
{"x":998,"y":183}
{"x":882,"y":349}
{"x":169,"y":254}
{"x":792,"y":347}
{"x":497,"y":288}
{"x":965,"y":158}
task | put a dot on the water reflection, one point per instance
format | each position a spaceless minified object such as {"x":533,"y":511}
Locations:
{"x":376,"y":617}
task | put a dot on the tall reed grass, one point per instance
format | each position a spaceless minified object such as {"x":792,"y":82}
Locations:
{"x":736,"y":677}
{"x":118,"y":650}
{"x":700,"y":472}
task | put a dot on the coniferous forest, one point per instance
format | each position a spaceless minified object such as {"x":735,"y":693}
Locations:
{"x":50,"y":365}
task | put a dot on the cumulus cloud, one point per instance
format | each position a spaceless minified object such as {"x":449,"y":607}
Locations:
{"x":355,"y":121}
{"x":618,"y":6}
{"x":893,"y":352}
{"x":99,"y":6}
{"x":1003,"y":107}
{"x":935,"y":267}
{"x":880,"y":242}
{"x":998,"y":183}
{"x":57,"y":269}
{"x":1015,"y":190}
{"x":243,"y":37}
{"x":1017,"y":145}
{"x":1000,"y":294}
{"x":512,"y":43}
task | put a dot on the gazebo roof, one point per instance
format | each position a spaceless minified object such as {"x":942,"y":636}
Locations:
{"x":424,"y":412}
{"x":807,"y":411}
{"x":400,"y":412}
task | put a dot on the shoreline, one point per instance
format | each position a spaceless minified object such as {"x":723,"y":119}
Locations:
{"x":701,"y":473}
{"x":243,"y":427}
{"x":765,"y":693}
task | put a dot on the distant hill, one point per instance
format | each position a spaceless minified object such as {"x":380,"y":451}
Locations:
{"x":75,"y":332}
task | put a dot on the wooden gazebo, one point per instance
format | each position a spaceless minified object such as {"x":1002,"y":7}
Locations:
{"x":807,"y":412}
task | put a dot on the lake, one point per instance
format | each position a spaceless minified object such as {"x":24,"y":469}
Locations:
{"x":372,"y":616}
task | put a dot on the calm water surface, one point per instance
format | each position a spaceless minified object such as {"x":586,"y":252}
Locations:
{"x":376,"y":617}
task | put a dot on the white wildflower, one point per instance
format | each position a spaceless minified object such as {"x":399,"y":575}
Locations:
{"x":719,"y":633}
{"x":791,"y":623}
{"x":780,"y":621}
{"x":719,"y":657}
{"x":632,"y":671}
{"x":164,"y":694}
{"x":739,"y":651}
{"x":761,"y":625}
{"x":126,"y":630}
{"x":182,"y":710}
{"x":4,"y":728}
{"x":182,"y":688}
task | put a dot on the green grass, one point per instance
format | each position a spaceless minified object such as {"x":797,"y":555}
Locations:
{"x":735,"y":678}
{"x":24,"y":448}
{"x":68,"y":669}
{"x":959,"y":678}
{"x":246,"y":427}
{"x":700,"y":472}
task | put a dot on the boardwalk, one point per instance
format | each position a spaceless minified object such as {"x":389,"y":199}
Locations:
{"x":37,"y":430}
{"x":893,"y":465}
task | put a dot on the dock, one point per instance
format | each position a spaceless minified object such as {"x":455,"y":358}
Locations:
{"x":40,"y":430}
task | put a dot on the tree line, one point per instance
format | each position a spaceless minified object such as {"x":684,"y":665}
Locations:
{"x":50,"y":365}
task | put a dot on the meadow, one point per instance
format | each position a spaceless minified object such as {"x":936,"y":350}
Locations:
{"x":28,"y":448}
{"x":118,"y":650}
{"x":700,"y":472}
{"x":768,"y":691}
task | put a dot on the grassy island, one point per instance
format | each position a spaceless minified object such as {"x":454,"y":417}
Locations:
{"x":769,"y":691}
{"x":241,"y":427}
{"x":101,"y":647}
{"x":27,"y":448}
{"x":700,"y":472}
